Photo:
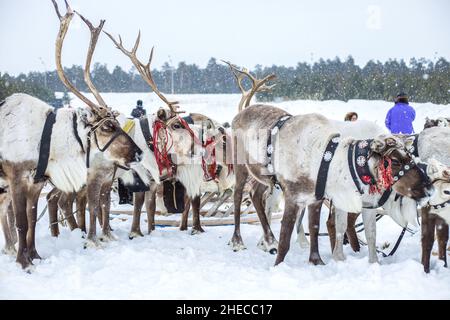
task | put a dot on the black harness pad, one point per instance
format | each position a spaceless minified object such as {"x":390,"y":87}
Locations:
{"x":44,"y":147}
{"x":173,"y":196}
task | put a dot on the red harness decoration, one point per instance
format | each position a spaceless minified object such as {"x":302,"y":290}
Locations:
{"x":385,"y":179}
{"x":162,"y":155}
{"x":209,"y":164}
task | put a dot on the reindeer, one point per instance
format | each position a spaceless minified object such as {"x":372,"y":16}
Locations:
{"x":77,"y":133}
{"x":172,"y":143}
{"x":294,"y":162}
{"x":404,"y":211}
{"x":439,"y":122}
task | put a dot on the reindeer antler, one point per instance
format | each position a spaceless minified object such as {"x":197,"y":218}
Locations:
{"x":102,"y":109}
{"x":258,"y":85}
{"x":144,"y":69}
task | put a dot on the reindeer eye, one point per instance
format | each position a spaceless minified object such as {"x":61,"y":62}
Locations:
{"x":446,"y":192}
{"x":176,"y":126}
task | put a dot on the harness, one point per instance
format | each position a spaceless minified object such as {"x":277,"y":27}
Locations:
{"x":44,"y":147}
{"x":145,"y":128}
{"x":273,"y":132}
{"x":358,"y":160}
{"x":75,"y":132}
{"x":93,"y":131}
{"x":322,"y":175}
{"x":414,"y":150}
{"x":440,"y":205}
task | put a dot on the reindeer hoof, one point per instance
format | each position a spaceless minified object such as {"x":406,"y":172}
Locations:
{"x":92,"y":243}
{"x":237,"y":245}
{"x":197,"y":230}
{"x":107,"y":237}
{"x":183,"y":228}
{"x":25,"y":261}
{"x":135,"y":234}
{"x":10,"y":251}
{"x":316,"y":261}
{"x":34,"y":255}
{"x":265,"y":246}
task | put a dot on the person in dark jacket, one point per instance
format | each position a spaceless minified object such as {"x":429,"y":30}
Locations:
{"x":139,"y":111}
{"x":400,"y":117}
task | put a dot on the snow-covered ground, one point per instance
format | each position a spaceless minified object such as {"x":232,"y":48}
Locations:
{"x":170,"y":264}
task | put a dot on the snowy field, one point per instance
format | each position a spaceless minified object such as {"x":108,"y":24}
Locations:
{"x":171,"y":264}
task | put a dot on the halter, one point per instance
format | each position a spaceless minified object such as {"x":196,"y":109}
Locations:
{"x":162,"y":155}
{"x":358,"y":159}
{"x":93,"y":131}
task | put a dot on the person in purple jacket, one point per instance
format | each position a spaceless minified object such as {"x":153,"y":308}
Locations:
{"x":400,"y":117}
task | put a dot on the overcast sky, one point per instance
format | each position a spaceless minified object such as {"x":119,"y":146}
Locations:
{"x":246,"y":32}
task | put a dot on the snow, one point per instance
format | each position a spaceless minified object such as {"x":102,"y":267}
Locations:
{"x":170,"y":264}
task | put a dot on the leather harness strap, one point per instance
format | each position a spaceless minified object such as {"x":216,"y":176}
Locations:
{"x":145,"y":127}
{"x":44,"y":147}
{"x":322,"y":175}
{"x":273,"y":132}
{"x":75,"y":131}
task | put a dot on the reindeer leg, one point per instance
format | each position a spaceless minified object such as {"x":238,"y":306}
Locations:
{"x":370,"y":229}
{"x":19,"y":201}
{"x":66,"y":204}
{"x":52,"y":202}
{"x":301,"y":236}
{"x":93,"y":195}
{"x":241,"y":174}
{"x":351,"y":232}
{"x":105,"y":199}
{"x":428,"y":223}
{"x":291,"y":209}
{"x":139,"y":198}
{"x":314,"y":227}
{"x":185,"y":214}
{"x":32,"y":203}
{"x":442,"y":238}
{"x":150,"y":205}
{"x":331,"y":227}
{"x":81,"y":209}
{"x":268,"y":243}
{"x":341,"y":226}
{"x":196,"y":226}
{"x":12,"y":223}
{"x":5,"y":221}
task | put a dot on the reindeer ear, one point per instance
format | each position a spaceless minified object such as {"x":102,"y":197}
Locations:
{"x":446,"y":173}
{"x":86,"y":115}
{"x":391,"y":142}
{"x":408,"y":141}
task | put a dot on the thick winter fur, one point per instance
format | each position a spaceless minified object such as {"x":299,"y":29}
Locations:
{"x":22,"y":119}
{"x":299,"y":147}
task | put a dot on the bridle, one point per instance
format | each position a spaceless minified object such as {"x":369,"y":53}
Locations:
{"x":162,"y":151}
{"x":93,"y":132}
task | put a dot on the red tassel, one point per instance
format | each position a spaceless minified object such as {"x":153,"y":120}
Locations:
{"x":162,"y":152}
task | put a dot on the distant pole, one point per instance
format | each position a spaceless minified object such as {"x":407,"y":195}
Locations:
{"x":172,"y":70}
{"x":45,"y":72}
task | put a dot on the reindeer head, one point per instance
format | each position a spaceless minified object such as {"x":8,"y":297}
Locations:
{"x":171,"y":133}
{"x":440,"y":177}
{"x":396,"y":165}
{"x":104,"y":133}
